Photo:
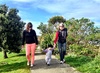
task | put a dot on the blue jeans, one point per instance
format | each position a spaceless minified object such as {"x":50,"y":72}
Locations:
{"x":62,"y":50}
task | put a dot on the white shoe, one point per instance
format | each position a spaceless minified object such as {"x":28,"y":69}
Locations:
{"x":61,"y":62}
{"x":64,"y":60}
{"x":28,"y":63}
{"x":32,"y":65}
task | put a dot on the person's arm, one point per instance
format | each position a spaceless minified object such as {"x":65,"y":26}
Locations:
{"x":52,"y":48}
{"x":46,"y":50}
{"x":66,"y":32}
{"x":56,"y":37}
{"x":23,"y":39}
{"x":35,"y":38}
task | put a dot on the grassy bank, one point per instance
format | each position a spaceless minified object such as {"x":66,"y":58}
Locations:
{"x":16,"y":63}
{"x":84,"y":64}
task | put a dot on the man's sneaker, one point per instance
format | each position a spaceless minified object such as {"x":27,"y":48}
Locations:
{"x":61,"y":62}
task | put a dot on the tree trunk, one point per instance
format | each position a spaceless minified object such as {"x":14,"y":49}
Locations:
{"x":5,"y":54}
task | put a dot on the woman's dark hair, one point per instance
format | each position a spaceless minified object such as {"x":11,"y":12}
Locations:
{"x":29,"y":25}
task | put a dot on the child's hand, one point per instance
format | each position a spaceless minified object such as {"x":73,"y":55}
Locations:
{"x":42,"y":49}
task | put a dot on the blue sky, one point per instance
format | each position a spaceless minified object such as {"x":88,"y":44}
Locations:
{"x":37,"y":11}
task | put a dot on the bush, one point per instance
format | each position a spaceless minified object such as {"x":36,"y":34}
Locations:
{"x":75,"y":48}
{"x":56,"y":51}
{"x":46,"y":40}
{"x":81,"y":50}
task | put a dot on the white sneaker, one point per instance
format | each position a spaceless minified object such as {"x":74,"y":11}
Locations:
{"x":61,"y":62}
{"x":28,"y":63}
{"x":32,"y":65}
{"x":64,"y":60}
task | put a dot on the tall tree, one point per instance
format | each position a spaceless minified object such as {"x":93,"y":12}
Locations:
{"x":43,"y":28}
{"x":11,"y":27}
{"x":79,"y":29}
{"x":47,"y":34}
{"x":46,"y":28}
{"x":56,"y":20}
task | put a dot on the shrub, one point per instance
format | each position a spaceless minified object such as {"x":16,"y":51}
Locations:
{"x":81,"y":50}
{"x":46,"y":40}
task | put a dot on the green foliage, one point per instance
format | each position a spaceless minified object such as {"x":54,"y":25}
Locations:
{"x":84,"y":64}
{"x":79,"y":29}
{"x":47,"y":39}
{"x":56,"y":19}
{"x":81,"y":50}
{"x":47,"y":34}
{"x":82,"y":37}
{"x":3,"y":9}
{"x":70,"y":40}
{"x":75,"y":47}
{"x":11,"y":27}
{"x":44,"y":28}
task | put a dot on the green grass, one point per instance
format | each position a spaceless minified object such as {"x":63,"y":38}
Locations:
{"x":16,"y":63}
{"x":84,"y":64}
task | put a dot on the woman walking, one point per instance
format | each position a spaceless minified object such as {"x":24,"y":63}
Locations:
{"x":30,"y":39}
{"x":61,"y":36}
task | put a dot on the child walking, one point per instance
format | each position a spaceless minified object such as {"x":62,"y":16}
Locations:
{"x":48,"y":52}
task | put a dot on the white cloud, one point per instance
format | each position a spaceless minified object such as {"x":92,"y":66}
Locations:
{"x":56,"y":6}
{"x":70,"y":8}
{"x":76,"y":7}
{"x":73,"y":8}
{"x":67,"y":8}
{"x":98,"y":1}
